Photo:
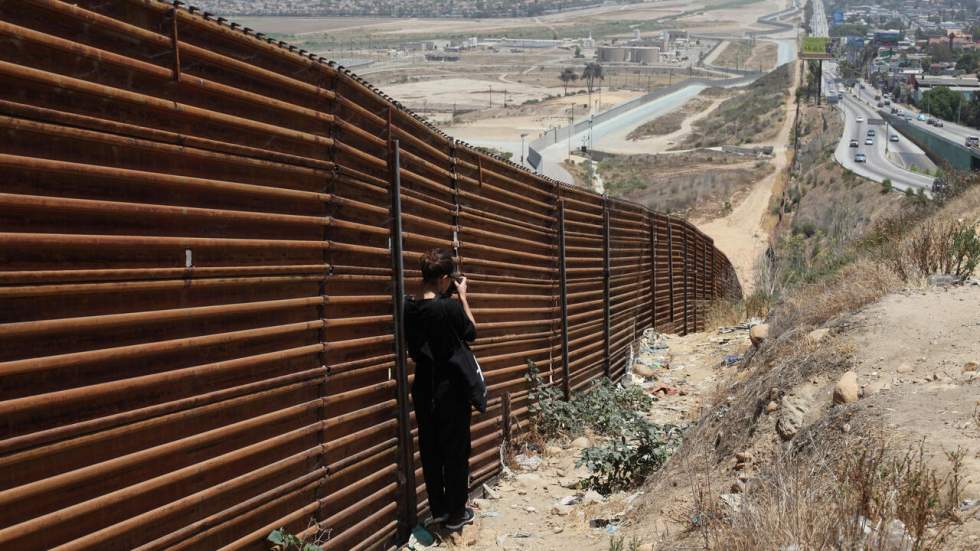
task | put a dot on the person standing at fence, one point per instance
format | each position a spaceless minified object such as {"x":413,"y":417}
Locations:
{"x":436,"y":326}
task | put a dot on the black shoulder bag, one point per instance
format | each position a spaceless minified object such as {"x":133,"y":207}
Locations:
{"x":464,"y":360}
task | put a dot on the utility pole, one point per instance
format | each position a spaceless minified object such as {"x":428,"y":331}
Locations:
{"x":491,"y":95}
{"x":523,"y":136}
{"x":571,"y":129}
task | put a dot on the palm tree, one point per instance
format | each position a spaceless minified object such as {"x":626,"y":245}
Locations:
{"x":568,"y":75}
{"x":591,"y":73}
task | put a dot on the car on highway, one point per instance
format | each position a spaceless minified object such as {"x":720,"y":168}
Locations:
{"x":972,"y":141}
{"x":860,"y":119}
{"x":860,"y":158}
{"x":869,"y":141}
{"x":939,"y":123}
{"x":894,"y":110}
{"x":881,"y":104}
{"x":854,"y":143}
{"x":893,"y":138}
{"x":871,"y":132}
{"x":921,"y":117}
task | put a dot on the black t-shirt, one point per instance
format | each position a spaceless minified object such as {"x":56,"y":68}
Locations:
{"x":433,"y":328}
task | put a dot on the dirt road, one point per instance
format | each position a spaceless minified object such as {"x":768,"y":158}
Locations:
{"x":743,"y":234}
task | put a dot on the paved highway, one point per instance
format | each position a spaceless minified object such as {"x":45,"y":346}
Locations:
{"x":878,"y":166}
{"x":951,"y":131}
{"x":818,"y":21}
{"x":884,"y":158}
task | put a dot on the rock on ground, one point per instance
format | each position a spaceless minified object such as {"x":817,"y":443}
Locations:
{"x":847,"y":390}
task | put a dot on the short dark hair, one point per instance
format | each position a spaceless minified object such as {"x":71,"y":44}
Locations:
{"x":436,"y":263}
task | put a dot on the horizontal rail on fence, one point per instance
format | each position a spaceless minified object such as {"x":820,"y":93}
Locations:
{"x":205,"y":236}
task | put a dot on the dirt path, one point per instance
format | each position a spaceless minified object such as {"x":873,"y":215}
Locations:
{"x":524,"y":511}
{"x":710,"y":59}
{"x":743,"y":234}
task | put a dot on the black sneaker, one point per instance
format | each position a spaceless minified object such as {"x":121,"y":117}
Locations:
{"x":437,"y":519}
{"x":466,"y":518}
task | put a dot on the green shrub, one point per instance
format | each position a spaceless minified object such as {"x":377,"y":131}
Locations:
{"x":625,"y":462}
{"x":606,"y":408}
{"x":635,"y":448}
{"x":886,"y":186}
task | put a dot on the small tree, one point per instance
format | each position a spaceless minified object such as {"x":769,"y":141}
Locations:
{"x":567,"y":75}
{"x":886,"y":185}
{"x":591,"y":73}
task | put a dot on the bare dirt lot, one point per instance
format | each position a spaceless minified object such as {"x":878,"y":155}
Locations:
{"x":534,"y":119}
{"x":743,"y":54}
{"x":673,"y":121}
{"x":702,"y":184}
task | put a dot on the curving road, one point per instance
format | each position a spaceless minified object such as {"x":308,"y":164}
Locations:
{"x":950,"y":130}
{"x":554,"y":153}
{"x":878,"y":166}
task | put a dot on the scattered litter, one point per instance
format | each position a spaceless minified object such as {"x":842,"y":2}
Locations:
{"x":612,"y":529}
{"x":745,"y":326}
{"x":731,"y":359}
{"x":528,"y":462}
{"x":520,"y":534}
{"x":600,"y":522}
{"x":489,"y":514}
{"x":667,"y":390}
{"x":570,"y":500}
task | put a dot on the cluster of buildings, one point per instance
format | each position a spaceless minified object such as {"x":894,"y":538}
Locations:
{"x":921,"y":55}
{"x":661,"y":48}
{"x":401,"y":8}
{"x":664,"y":47}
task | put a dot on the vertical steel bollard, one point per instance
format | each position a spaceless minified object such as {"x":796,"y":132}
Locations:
{"x":606,"y":269}
{"x":563,"y":290}
{"x":686,"y":285}
{"x":505,"y":417}
{"x":670,"y":270}
{"x":407,"y":514}
{"x":653,"y":271}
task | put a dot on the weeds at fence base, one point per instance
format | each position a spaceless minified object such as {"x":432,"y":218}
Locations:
{"x":282,"y":540}
{"x":630,"y":447}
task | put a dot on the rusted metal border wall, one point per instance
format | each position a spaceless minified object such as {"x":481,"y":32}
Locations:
{"x":197,"y":339}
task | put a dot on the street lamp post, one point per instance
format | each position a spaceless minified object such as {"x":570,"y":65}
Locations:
{"x":571,"y":129}
{"x":590,"y":133}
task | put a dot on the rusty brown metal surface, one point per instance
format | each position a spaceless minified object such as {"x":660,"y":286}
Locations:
{"x":196,"y":323}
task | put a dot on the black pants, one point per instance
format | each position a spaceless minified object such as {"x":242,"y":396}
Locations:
{"x":444,"y":442}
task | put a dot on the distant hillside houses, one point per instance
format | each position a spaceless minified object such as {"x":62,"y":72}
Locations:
{"x":401,"y":8}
